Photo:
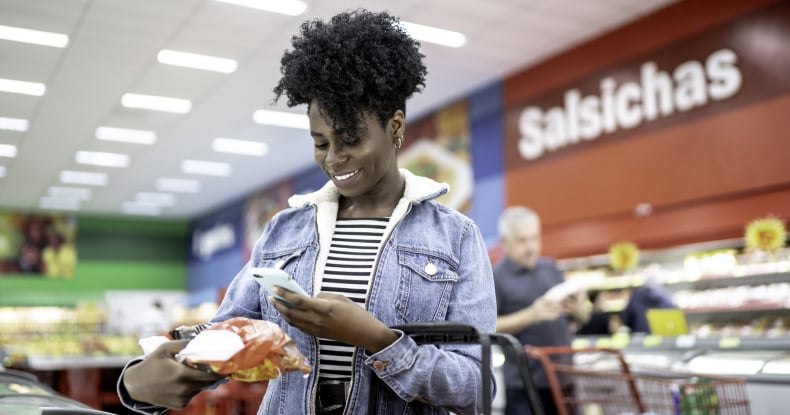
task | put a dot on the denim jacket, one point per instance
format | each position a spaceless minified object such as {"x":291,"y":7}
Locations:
{"x":404,"y":289}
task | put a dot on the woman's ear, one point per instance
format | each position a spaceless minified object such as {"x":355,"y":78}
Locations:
{"x":398,"y":128}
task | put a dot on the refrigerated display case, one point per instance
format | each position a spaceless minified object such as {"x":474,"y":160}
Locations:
{"x":736,"y":306}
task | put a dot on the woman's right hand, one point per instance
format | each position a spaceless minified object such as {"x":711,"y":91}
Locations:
{"x":161,"y":380}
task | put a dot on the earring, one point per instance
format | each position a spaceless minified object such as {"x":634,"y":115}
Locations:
{"x":399,"y":143}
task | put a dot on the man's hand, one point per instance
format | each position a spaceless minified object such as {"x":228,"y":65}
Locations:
{"x":334,"y":316}
{"x":578,"y":307}
{"x":161,"y":380}
{"x":543,"y":309}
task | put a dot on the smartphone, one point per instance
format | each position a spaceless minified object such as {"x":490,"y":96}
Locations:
{"x":269,"y":277}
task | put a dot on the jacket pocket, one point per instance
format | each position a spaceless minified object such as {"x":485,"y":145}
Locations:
{"x":294,"y":264}
{"x":426,"y":283}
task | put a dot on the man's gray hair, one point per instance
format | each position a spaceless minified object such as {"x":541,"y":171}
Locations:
{"x":513,"y":215}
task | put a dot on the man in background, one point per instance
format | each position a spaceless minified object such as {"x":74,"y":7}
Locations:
{"x":521,"y":279}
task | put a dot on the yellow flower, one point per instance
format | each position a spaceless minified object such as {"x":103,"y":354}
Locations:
{"x":767,"y":234}
{"x":623,"y":255}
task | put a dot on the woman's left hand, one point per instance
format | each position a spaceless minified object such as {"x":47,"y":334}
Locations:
{"x":334,"y":316}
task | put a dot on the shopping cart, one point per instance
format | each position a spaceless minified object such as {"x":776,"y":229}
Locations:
{"x":599,"y":381}
{"x":444,"y":332}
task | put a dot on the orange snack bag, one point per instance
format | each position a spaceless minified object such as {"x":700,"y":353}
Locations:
{"x":245,"y":349}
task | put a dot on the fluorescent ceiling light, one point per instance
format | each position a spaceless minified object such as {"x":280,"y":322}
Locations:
{"x":7,"y":150}
{"x":133,"y":208}
{"x":177,"y":185}
{"x":196,"y":61}
{"x":126,"y":135}
{"x":59,"y":203}
{"x":287,"y":7}
{"x":84,"y":177}
{"x":158,"y":199}
{"x":434,"y":35}
{"x":235,"y":146}
{"x":36,"y":37}
{"x":13,"y":124}
{"x":208,"y":168}
{"x":99,"y":158}
{"x":281,"y":119}
{"x":81,"y":193}
{"x":156,"y":103}
{"x":2,"y":171}
{"x":22,"y":87}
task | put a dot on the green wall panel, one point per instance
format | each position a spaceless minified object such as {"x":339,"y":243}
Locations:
{"x":112,"y":254}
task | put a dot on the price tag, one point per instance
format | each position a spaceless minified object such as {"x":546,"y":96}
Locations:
{"x":603,"y":342}
{"x":685,"y":342}
{"x":652,"y":341}
{"x":580,"y":343}
{"x":620,"y":340}
{"x":729,"y":342}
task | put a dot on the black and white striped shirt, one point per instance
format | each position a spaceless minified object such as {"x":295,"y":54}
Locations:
{"x":352,"y":254}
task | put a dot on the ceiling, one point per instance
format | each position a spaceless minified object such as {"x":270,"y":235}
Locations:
{"x":112,"y":50}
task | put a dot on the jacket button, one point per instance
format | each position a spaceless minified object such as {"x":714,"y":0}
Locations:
{"x":430,"y":269}
{"x":379,"y":365}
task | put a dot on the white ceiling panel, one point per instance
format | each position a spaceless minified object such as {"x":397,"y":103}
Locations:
{"x":112,"y":51}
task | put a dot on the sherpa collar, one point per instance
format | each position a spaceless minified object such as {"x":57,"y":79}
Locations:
{"x":418,"y":189}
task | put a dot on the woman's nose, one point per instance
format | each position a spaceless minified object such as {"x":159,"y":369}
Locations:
{"x":336,"y":156}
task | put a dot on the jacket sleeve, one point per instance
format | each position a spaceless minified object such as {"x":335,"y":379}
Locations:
{"x":242,"y":298}
{"x":449,"y":376}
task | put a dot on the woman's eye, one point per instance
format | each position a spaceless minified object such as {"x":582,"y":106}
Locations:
{"x":321,"y":146}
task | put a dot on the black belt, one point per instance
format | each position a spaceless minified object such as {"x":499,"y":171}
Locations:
{"x":331,"y":396}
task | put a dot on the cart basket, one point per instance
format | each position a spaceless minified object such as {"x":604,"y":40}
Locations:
{"x":597,"y":381}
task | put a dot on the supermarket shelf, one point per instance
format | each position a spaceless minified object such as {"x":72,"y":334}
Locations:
{"x":688,"y":342}
{"x":729,"y":281}
{"x":74,"y":362}
{"x":721,"y":313}
{"x":684,"y":349}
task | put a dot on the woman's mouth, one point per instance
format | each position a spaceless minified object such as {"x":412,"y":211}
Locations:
{"x":342,"y":177}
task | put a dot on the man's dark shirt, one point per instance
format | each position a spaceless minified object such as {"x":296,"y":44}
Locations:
{"x":644,"y":298}
{"x":518,"y":287}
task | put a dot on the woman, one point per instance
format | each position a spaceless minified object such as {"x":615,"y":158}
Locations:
{"x":372,"y":248}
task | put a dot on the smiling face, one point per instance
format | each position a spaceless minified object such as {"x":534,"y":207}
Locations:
{"x":365,"y":168}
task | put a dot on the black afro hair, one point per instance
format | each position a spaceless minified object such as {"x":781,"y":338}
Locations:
{"x":358,"y":62}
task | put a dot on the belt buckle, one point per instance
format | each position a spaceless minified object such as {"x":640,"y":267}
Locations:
{"x":332,"y":387}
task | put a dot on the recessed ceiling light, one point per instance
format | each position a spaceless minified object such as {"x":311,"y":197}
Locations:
{"x":7,"y":150}
{"x":59,"y":203}
{"x":13,"y":124}
{"x":208,"y":168}
{"x":134,"y":208}
{"x":159,"y":199}
{"x":156,"y":103}
{"x":126,"y":135}
{"x":434,"y":35}
{"x":84,"y":177}
{"x":281,"y":119}
{"x":177,"y":185}
{"x":99,"y":158}
{"x":196,"y":61}
{"x":287,"y":7}
{"x":235,"y":146}
{"x":81,"y":193}
{"x":36,"y":37}
{"x":22,"y":87}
